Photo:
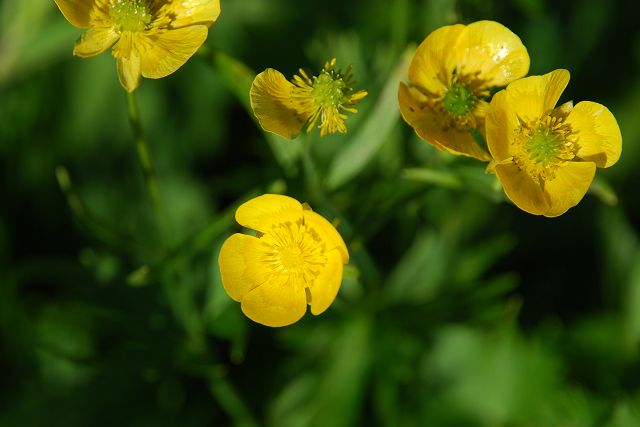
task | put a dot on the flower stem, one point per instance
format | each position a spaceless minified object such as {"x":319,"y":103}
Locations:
{"x":146,"y":162}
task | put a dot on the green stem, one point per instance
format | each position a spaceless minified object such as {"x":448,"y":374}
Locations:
{"x":146,"y":160}
{"x":313,"y":183}
{"x":231,"y":402}
{"x":144,"y":153}
{"x":101,"y":232}
{"x":312,"y":178}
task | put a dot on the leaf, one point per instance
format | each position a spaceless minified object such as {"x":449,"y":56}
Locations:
{"x":361,"y":149}
{"x":420,"y":272}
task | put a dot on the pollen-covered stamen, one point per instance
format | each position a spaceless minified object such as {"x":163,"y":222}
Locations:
{"x":326,"y":96}
{"x":130,"y":15}
{"x":461,"y":101}
{"x":542,"y":146}
{"x":296,"y":250}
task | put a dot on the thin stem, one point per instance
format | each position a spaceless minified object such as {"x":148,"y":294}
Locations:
{"x":144,"y":153}
{"x":314,"y":187}
{"x":312,"y":178}
{"x":145,"y":159}
{"x":101,"y":232}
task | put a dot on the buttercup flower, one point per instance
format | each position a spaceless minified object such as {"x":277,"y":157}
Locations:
{"x":546,"y":158}
{"x":451,"y":75}
{"x":294,"y":260}
{"x":285,"y":107}
{"x":150,"y":38}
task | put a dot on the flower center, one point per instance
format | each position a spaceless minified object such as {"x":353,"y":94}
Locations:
{"x":295,"y":249}
{"x":325,"y":97}
{"x":130,"y":15}
{"x":291,"y":257}
{"x":328,"y":90}
{"x":540,"y":148}
{"x":459,"y":100}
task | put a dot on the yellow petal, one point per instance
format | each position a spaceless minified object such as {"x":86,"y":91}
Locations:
{"x":190,"y":12}
{"x":327,"y":232}
{"x":261,"y":212}
{"x":127,"y":61}
{"x":523,"y":191}
{"x":326,"y":285}
{"x":491,"y":50}
{"x":77,"y":12}
{"x":569,"y":186}
{"x":428,"y":124}
{"x":500,"y":124}
{"x":273,"y":104}
{"x":534,"y":96}
{"x":241,"y":265}
{"x":163,"y":53}
{"x":95,"y":41}
{"x":599,"y":138}
{"x":279,"y":302}
{"x":431,"y":68}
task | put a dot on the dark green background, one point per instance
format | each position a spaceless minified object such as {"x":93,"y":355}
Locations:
{"x":457,"y":310}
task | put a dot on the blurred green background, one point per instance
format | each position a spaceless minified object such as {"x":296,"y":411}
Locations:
{"x":457,"y":309}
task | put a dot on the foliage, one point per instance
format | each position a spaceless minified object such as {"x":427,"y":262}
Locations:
{"x":457,"y":309}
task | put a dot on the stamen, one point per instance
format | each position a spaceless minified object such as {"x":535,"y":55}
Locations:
{"x":462,"y":103}
{"x":541,"y":147}
{"x":130,"y":15}
{"x":325,"y":97}
{"x":295,"y":250}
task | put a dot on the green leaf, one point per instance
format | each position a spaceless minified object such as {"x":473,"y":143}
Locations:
{"x":361,"y":149}
{"x":420,"y":272}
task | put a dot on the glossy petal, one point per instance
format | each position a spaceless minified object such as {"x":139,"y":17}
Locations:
{"x":523,"y":191}
{"x":163,"y":53}
{"x":261,"y":212}
{"x":327,"y":284}
{"x":569,"y":187}
{"x":272,"y":103}
{"x":278,"y":302}
{"x":598,"y":133}
{"x":532,"y":97}
{"x":77,"y":12}
{"x":428,"y":125}
{"x":240,"y":265}
{"x":491,"y":50}
{"x":431,"y":68}
{"x":500,"y":124}
{"x":127,"y":61}
{"x":328,"y":233}
{"x":95,"y":41}
{"x":190,"y":12}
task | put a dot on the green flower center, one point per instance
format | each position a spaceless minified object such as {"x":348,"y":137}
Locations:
{"x":328,"y":90}
{"x":544,"y":146}
{"x":130,"y":15}
{"x":459,"y":100}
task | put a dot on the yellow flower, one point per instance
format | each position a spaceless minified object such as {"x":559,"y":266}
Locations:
{"x":295,"y":260}
{"x":546,"y":158}
{"x":284,"y":107}
{"x":150,"y":38}
{"x":451,"y":75}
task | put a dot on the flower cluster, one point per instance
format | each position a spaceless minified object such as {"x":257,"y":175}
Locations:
{"x":544,"y":157}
